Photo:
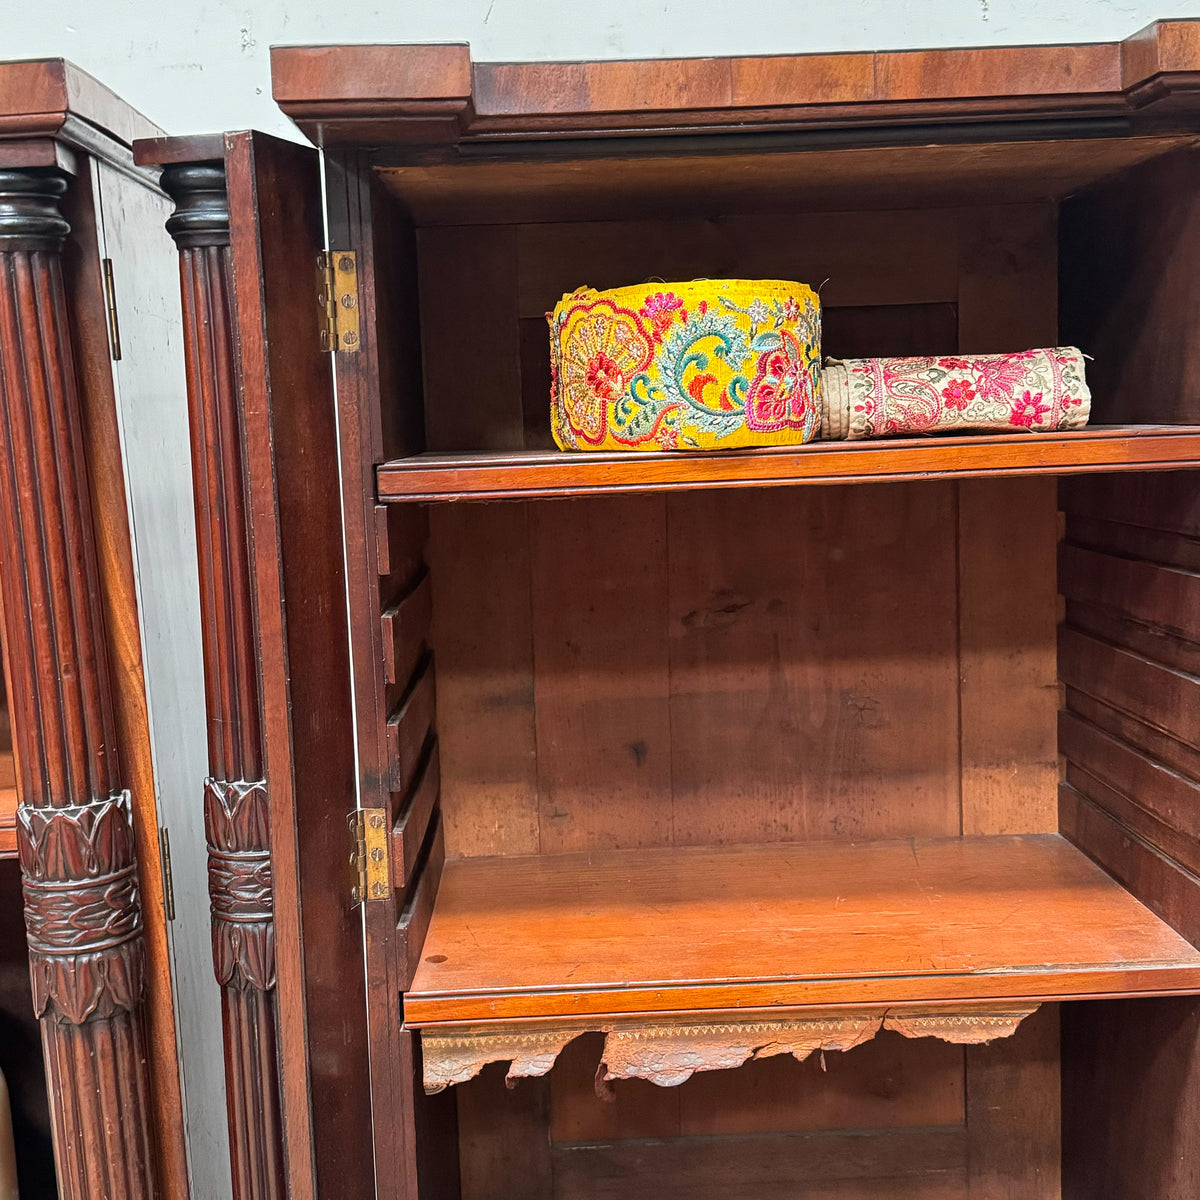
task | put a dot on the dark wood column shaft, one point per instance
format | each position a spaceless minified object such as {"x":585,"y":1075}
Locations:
{"x":236,"y":808}
{"x":87,"y":956}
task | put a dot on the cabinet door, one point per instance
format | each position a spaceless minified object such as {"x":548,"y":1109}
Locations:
{"x":296,"y":564}
{"x":137,"y":257}
{"x":287,"y":942}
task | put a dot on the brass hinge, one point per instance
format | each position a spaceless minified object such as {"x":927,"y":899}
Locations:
{"x":168,"y":880}
{"x":369,"y":858}
{"x":110,"y":303}
{"x":337,"y":295}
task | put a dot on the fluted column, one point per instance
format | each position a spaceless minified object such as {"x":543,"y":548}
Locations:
{"x":236,"y":808}
{"x":87,"y":955}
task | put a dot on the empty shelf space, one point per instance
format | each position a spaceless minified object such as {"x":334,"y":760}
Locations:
{"x":521,"y":474}
{"x":703,"y":930}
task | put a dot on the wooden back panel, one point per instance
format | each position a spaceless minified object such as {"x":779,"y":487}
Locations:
{"x":485,"y":291}
{"x":723,"y":667}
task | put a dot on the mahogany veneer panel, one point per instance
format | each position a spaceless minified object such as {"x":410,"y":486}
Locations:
{"x":702,"y":929}
{"x":424,"y":93}
{"x":614,"y":185}
{"x":527,"y":474}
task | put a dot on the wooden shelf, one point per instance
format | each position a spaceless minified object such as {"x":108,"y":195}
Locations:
{"x":517,"y":474}
{"x":711,"y":930}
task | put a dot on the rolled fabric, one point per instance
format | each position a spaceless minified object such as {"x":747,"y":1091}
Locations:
{"x":707,"y":365}
{"x":1036,"y":390}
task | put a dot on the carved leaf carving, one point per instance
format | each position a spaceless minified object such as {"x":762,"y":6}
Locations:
{"x":238,"y":828}
{"x":87,"y":958}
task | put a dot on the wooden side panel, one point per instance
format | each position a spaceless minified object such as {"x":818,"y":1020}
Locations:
{"x":1131,"y":737}
{"x":1129,"y":248}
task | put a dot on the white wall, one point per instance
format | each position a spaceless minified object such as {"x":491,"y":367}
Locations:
{"x":200,"y":66}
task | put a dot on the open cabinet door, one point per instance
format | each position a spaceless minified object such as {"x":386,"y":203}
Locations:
{"x":287,"y":941}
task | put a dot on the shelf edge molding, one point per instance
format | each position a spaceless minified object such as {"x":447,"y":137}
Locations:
{"x":236,"y":801}
{"x":670,"y":1054}
{"x":532,"y":475}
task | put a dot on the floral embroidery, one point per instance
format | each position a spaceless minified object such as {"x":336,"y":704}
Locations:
{"x":603,"y":347}
{"x":1028,"y":410}
{"x":705,"y":365}
{"x":658,"y":311}
{"x":958,"y":393}
{"x":1035,"y":390}
{"x":780,"y":395}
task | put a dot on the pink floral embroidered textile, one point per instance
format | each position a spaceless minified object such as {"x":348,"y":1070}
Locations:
{"x":1036,"y":390}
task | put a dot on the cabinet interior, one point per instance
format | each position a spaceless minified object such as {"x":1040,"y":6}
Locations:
{"x":943,"y":658}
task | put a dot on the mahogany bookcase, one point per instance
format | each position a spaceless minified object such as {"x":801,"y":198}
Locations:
{"x":100,"y":734}
{"x":892,"y":746}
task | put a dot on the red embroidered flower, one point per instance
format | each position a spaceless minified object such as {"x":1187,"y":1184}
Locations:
{"x":603,"y":347}
{"x":958,"y":393}
{"x":604,"y":377}
{"x":791,"y":308}
{"x":659,"y":311}
{"x":1028,"y":410}
{"x":996,"y":376}
{"x":780,"y":394}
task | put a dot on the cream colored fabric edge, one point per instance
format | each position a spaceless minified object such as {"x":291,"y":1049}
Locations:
{"x":835,"y":401}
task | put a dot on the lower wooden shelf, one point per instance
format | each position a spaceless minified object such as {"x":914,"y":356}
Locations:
{"x":523,"y":474}
{"x":701,"y":933}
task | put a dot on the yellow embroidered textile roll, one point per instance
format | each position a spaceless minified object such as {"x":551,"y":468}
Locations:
{"x":709,"y":365}
{"x":1035,"y":390}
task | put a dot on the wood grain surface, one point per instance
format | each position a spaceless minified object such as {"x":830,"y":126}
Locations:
{"x":529,"y":474}
{"x":418,"y":94}
{"x":699,"y":928}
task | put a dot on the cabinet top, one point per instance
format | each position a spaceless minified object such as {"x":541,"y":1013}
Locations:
{"x":429,"y":94}
{"x":50,"y":100}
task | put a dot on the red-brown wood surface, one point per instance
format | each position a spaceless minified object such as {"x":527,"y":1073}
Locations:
{"x":529,"y":474}
{"x":414,"y":93}
{"x":75,"y":835}
{"x":390,"y":601}
{"x":714,"y":929}
{"x":236,"y":800}
{"x":298,"y":577}
{"x":39,"y":95}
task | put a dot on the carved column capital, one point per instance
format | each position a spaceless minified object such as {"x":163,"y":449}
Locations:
{"x":237,"y":825}
{"x":87,"y":958}
{"x":201,"y":216}
{"x":30,"y":218}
